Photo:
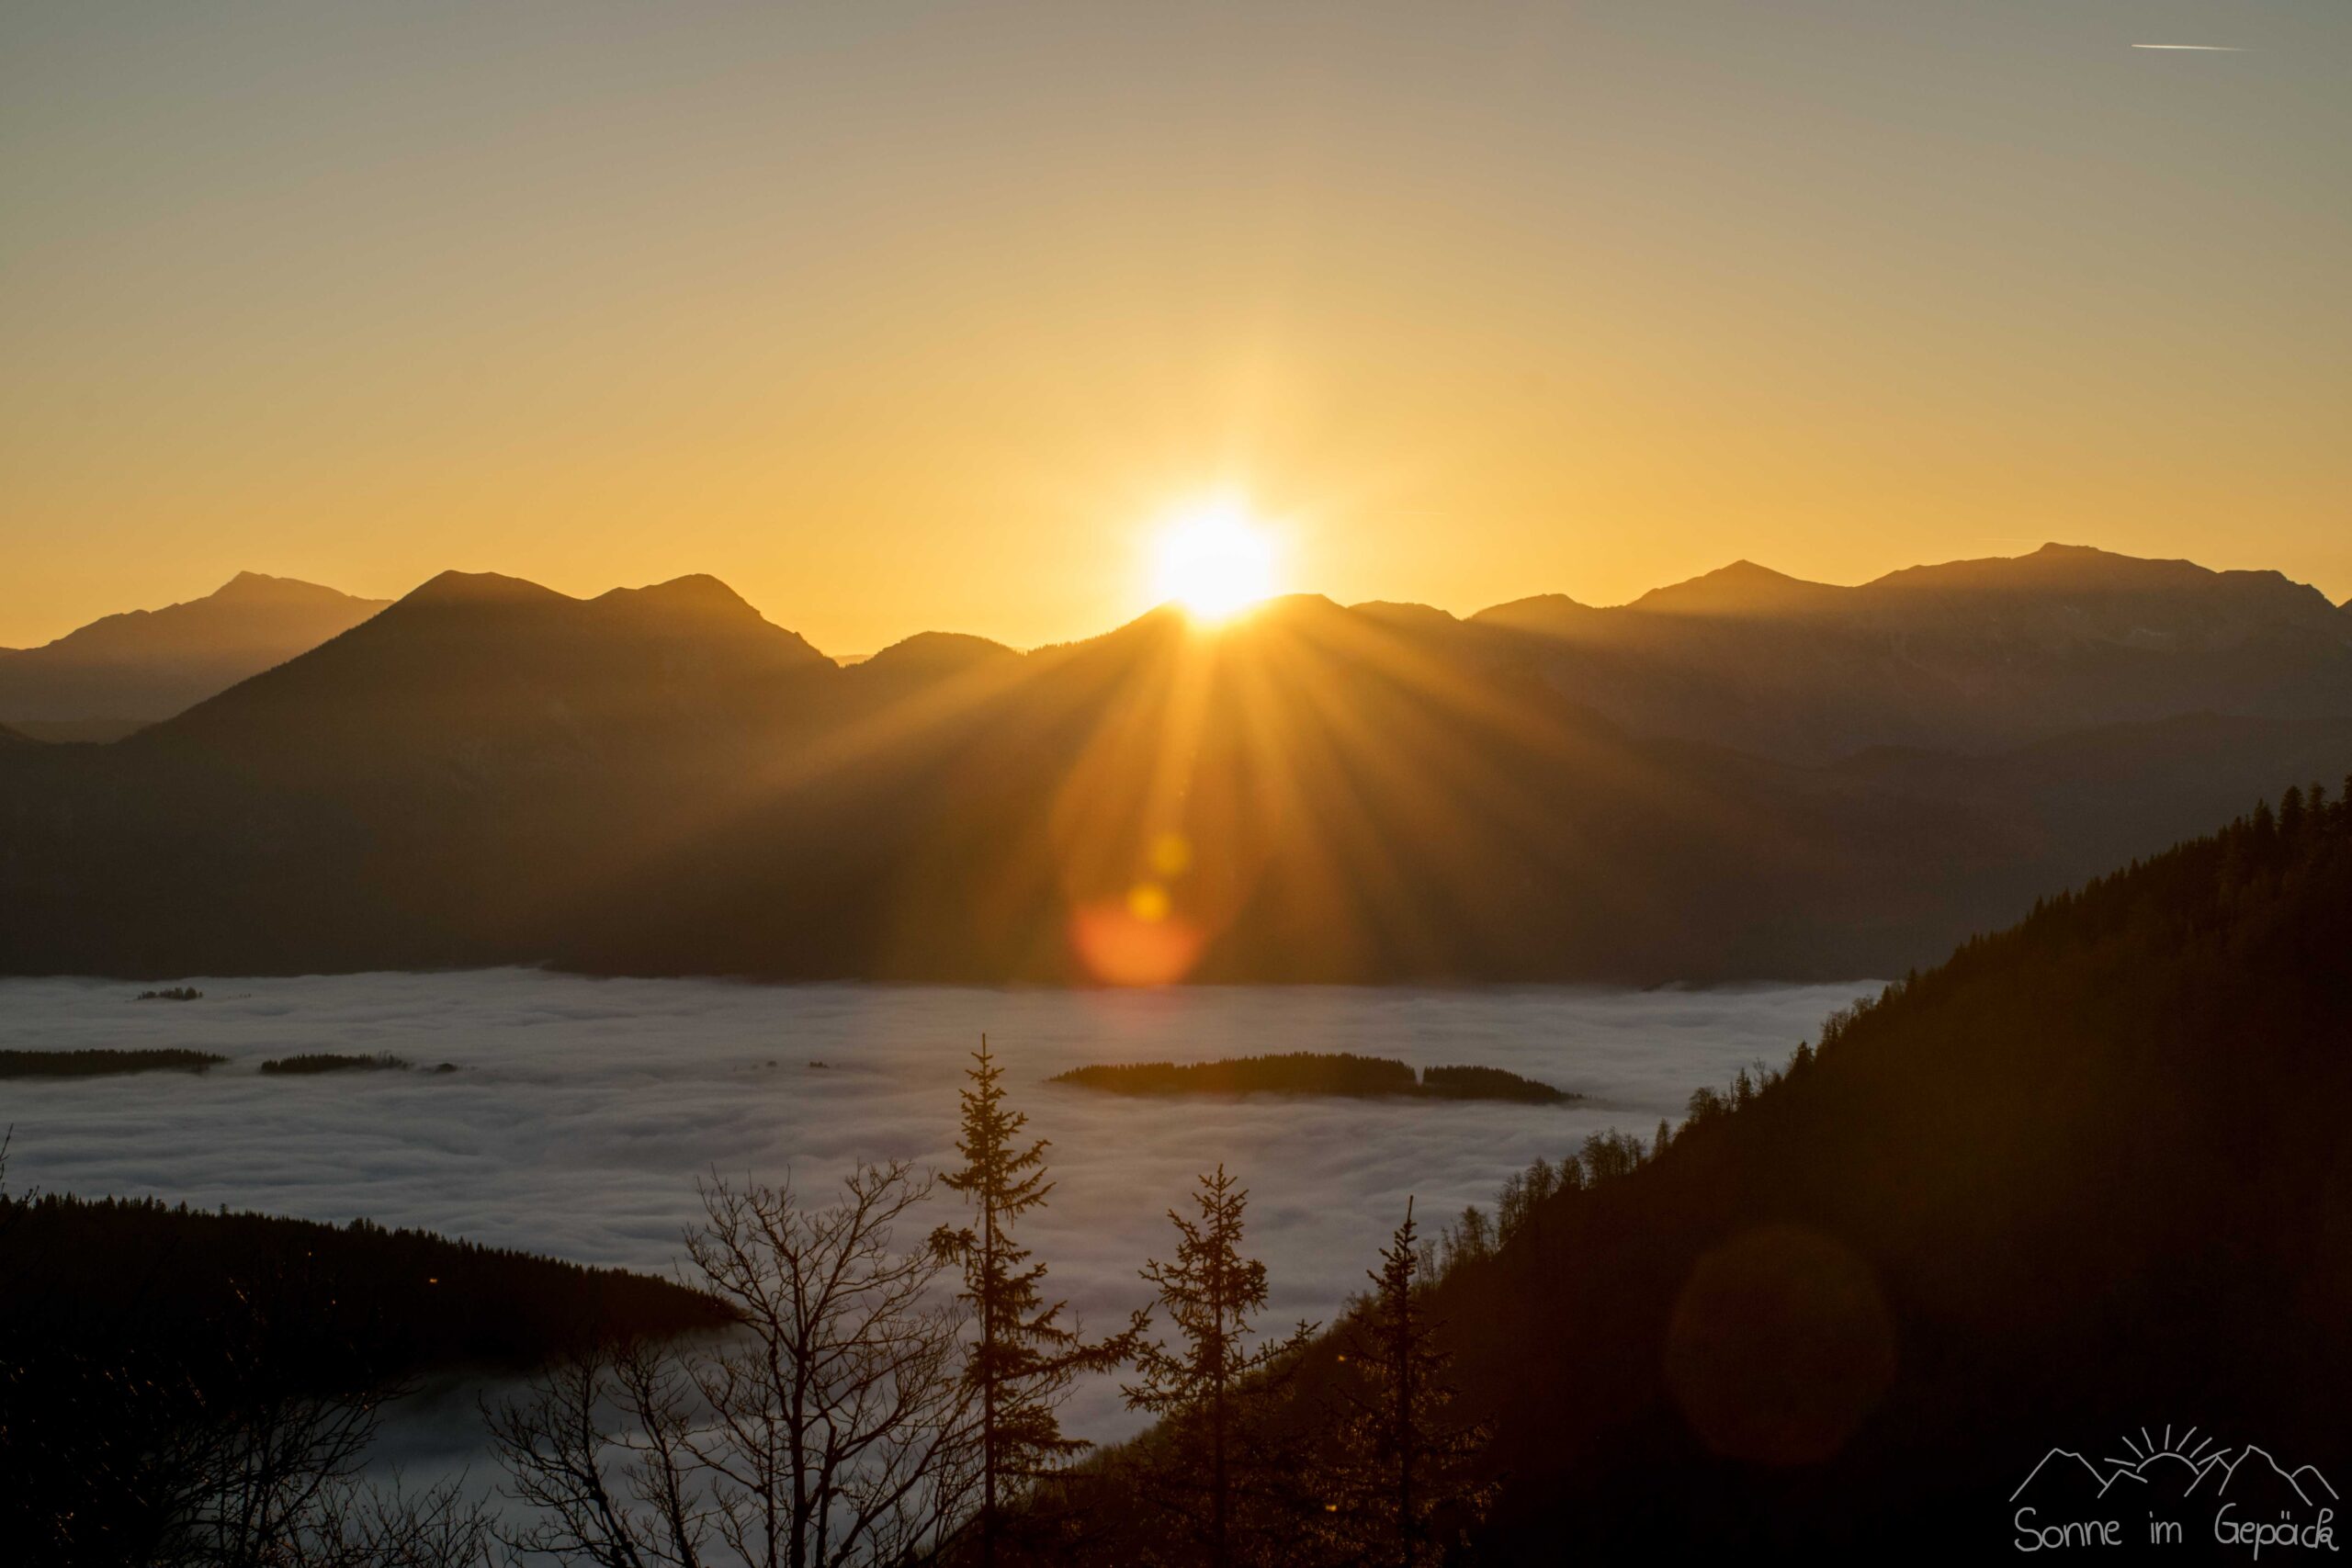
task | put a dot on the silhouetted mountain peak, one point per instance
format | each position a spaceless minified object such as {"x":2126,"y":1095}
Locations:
{"x":700,"y":605}
{"x":142,"y":665}
{"x":1548,"y":614}
{"x":514,"y":677}
{"x":2078,"y":590}
{"x":1289,"y":607}
{"x":252,"y":588}
{"x":478,"y":588}
{"x":937,"y":653}
{"x":697,"y":593}
{"x":1406,"y":616}
{"x":1743,"y":588}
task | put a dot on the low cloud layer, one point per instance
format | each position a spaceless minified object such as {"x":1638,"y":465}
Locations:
{"x":584,"y":1108}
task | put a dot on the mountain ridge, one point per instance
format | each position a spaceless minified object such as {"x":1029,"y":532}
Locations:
{"x":658,"y":780}
{"x":1968,"y":655}
{"x":139,"y":666}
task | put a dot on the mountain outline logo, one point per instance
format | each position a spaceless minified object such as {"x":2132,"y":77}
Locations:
{"x":2255,"y":1500}
{"x":2153,"y":1457}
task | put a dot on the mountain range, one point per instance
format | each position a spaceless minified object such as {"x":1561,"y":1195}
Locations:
{"x":1966,"y":656}
{"x":109,"y":678}
{"x":1724,"y":780}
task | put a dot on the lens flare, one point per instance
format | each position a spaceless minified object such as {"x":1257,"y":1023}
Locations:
{"x":1120,"y":947}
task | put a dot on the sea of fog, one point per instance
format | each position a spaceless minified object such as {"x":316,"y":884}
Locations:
{"x":582,"y":1110}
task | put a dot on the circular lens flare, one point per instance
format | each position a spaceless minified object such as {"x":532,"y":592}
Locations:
{"x":1213,"y":560}
{"x":1121,"y":946}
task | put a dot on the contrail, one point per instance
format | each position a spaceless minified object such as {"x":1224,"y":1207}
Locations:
{"x":2197,"y":48}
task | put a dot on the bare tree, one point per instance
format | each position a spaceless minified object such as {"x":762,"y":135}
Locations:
{"x":833,"y":1430}
{"x":379,"y":1526}
{"x":255,"y":1478}
{"x":273,"y":1481}
{"x":595,"y":1454}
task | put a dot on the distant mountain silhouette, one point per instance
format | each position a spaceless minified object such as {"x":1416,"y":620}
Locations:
{"x":145,"y":665}
{"x":1744,"y":591}
{"x":480,"y":670}
{"x":1968,"y":655}
{"x":927,"y":658}
{"x":658,"y":780}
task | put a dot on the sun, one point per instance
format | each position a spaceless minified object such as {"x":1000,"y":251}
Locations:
{"x":1213,"y":559}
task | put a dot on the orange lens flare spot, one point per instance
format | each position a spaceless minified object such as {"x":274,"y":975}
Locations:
{"x":1172,"y":854}
{"x":1148,"y":901}
{"x":1119,"y":947}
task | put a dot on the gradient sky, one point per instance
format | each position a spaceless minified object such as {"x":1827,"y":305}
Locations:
{"x":901,"y":317}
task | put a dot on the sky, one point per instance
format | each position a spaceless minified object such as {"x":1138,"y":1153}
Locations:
{"x":921,"y":317}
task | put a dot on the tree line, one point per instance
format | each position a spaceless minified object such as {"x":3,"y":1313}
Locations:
{"x":895,"y":1398}
{"x":863,"y":1392}
{"x":840,"y":1388}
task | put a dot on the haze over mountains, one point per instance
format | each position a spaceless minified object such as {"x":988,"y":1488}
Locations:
{"x":108,"y":678}
{"x":1730,"y":778}
{"x":1966,"y":656}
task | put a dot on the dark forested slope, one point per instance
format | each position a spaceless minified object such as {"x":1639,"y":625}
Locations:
{"x":2089,"y":1176}
{"x":136,"y":1339}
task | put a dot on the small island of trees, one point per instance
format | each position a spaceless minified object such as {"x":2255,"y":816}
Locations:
{"x":101,"y":1064}
{"x":328,"y":1062}
{"x":1314,"y":1072}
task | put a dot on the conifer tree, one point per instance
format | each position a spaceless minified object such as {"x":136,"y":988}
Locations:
{"x":1404,"y":1485}
{"x":1024,"y":1356}
{"x":1214,"y":1390}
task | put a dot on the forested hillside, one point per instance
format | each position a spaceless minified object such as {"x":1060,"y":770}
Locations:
{"x":2088,"y":1175}
{"x":145,"y":1351}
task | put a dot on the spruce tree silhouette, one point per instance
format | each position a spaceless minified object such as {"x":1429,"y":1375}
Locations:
{"x":1214,"y":1389}
{"x":1022,"y":1356}
{"x":1403,"y":1479}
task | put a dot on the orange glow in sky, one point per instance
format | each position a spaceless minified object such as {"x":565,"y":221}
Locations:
{"x":900,"y":320}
